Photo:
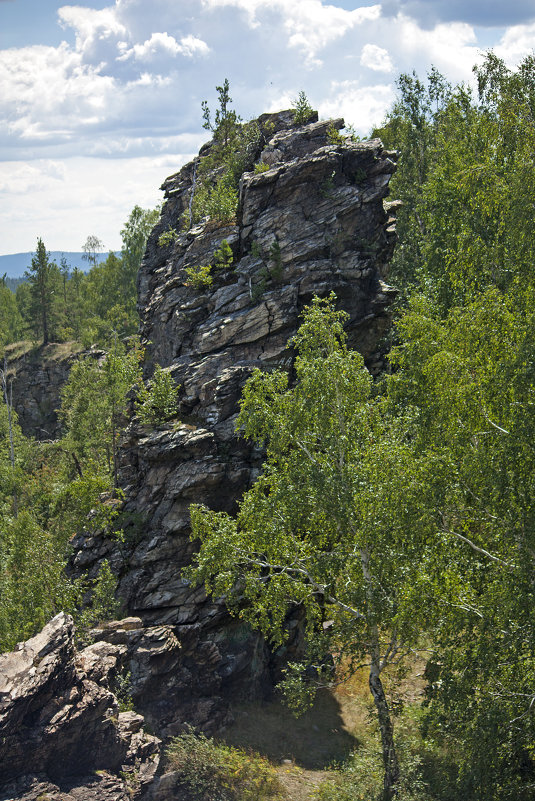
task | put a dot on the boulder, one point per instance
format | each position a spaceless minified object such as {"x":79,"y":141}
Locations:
{"x":60,"y":722}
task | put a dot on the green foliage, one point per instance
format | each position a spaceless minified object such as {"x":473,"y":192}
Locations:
{"x":167,"y":238}
{"x":50,"y":491}
{"x":466,"y":178}
{"x":41,"y":507}
{"x":334,"y":137}
{"x":302,"y":110}
{"x":10,"y":317}
{"x":324,"y":527}
{"x":91,"y":248}
{"x":469,"y":382}
{"x":123,"y":691}
{"x":199,"y":277}
{"x":159,"y":402}
{"x":104,"y":605}
{"x":208,"y":771}
{"x":257,"y":290}
{"x":58,"y":304}
{"x":260,"y":167}
{"x":255,"y":250}
{"x":94,"y":405}
{"x":276,"y":259}
{"x":226,"y":119}
{"x":33,"y":587}
{"x":219,"y":202}
{"x":43,"y":279}
{"x":327,"y":185}
{"x":360,"y":777}
{"x":233,"y":150}
{"x":223,"y":256}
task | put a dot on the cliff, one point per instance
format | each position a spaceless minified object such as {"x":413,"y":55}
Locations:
{"x":323,"y":204}
{"x":37,"y":376}
{"x":311,"y":220}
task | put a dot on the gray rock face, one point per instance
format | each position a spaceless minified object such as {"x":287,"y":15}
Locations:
{"x":314,"y":222}
{"x":60,"y":722}
{"x":38,"y":378}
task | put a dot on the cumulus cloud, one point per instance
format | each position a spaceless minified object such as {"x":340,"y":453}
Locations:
{"x":96,"y":31}
{"x":376,"y":58}
{"x":363,"y":107}
{"x":44,"y":88}
{"x":309,"y":25}
{"x":163,"y":44}
{"x":91,"y":196}
{"x":516,"y":43}
{"x":126,"y":87}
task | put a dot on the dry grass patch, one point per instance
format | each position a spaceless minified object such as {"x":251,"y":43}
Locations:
{"x":53,"y":352}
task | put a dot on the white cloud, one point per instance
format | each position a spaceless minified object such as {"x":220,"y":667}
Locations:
{"x":361,"y":106}
{"x":88,"y":196}
{"x":46,"y":91}
{"x":22,"y":177}
{"x":309,"y":24}
{"x":162,"y":44}
{"x":451,"y":47}
{"x":127,"y":93}
{"x":192,"y":46}
{"x":95,"y":30}
{"x":516,"y":43}
{"x":376,"y":58}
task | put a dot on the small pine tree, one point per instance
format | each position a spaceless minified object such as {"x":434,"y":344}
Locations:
{"x":41,"y":280}
{"x":303,"y":111}
{"x":159,"y":403}
{"x":223,"y":256}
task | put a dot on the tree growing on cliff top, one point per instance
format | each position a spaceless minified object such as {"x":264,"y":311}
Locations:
{"x":233,"y":150}
{"x":226,"y":121}
{"x":42,"y":277}
{"x":325,"y":526}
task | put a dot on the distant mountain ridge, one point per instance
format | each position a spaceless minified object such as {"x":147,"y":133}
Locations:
{"x":14,"y":264}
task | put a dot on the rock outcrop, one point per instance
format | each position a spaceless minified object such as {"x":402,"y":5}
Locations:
{"x":311,"y":221}
{"x":62,"y":734}
{"x":37,"y":378}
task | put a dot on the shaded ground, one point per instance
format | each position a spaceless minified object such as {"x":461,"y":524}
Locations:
{"x":313,"y":741}
{"x":304,"y":748}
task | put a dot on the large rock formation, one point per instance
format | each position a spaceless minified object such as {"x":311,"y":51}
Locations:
{"x":61,"y":730}
{"x":311,"y":221}
{"x":37,"y":377}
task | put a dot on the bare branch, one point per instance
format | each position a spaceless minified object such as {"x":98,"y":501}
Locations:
{"x":482,"y":551}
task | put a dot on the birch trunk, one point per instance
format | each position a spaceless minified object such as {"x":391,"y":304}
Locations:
{"x":390,"y":759}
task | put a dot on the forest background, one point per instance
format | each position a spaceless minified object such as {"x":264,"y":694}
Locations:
{"x":456,"y":410}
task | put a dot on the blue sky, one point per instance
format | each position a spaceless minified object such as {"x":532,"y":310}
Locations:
{"x":100,"y":101}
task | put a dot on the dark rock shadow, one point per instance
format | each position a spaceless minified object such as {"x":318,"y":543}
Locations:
{"x":313,"y":741}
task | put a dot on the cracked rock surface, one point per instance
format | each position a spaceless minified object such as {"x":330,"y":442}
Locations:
{"x":62,"y":734}
{"x":321,"y":207}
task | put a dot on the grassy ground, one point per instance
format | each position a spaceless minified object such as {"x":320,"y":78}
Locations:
{"x":305,"y":748}
{"x":54,"y":351}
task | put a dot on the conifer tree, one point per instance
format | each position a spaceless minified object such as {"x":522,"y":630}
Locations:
{"x":41,"y":280}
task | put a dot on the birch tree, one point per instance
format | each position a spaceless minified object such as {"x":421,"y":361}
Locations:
{"x":338,"y":521}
